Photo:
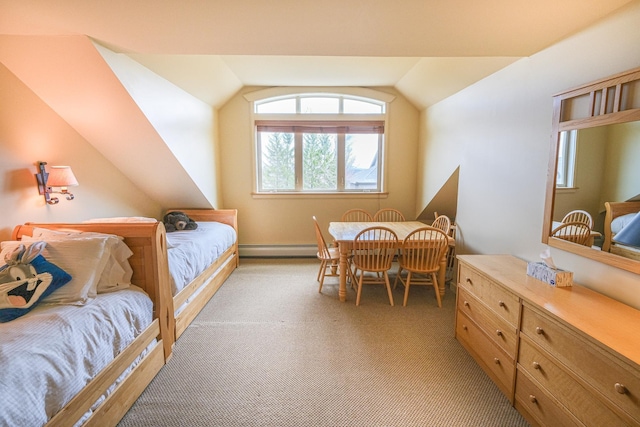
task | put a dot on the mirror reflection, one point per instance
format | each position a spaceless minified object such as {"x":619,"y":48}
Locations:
{"x":598,"y":184}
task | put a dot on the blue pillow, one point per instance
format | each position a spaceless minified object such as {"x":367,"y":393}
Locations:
{"x":58,"y":278}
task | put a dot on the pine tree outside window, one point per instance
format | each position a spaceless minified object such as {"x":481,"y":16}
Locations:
{"x":319,"y":144}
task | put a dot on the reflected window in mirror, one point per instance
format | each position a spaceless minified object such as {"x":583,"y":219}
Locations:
{"x":566,"y":159}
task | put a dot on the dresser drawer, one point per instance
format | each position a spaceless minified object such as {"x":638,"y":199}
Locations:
{"x":498,"y":329}
{"x":616,"y":380}
{"x":502,"y":301}
{"x":495,"y":362}
{"x":538,"y":407}
{"x":580,"y":401}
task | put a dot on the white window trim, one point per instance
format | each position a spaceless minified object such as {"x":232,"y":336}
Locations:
{"x":354,"y":92}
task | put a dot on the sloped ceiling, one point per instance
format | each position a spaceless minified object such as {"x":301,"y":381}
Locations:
{"x":427,"y":49}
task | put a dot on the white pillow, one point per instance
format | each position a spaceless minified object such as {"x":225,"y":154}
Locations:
{"x":84,"y":259}
{"x":618,"y":223}
{"x":117,"y":271}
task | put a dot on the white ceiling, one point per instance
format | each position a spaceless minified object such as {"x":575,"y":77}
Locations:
{"x":427,"y":49}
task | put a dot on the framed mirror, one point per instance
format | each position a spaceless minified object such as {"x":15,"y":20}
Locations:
{"x":593,"y":169}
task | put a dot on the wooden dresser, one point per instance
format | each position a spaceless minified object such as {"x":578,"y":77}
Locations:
{"x":562,"y":356}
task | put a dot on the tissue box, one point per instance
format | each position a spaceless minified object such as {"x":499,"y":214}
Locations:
{"x":543,"y":272}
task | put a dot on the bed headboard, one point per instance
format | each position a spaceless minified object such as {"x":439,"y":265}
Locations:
{"x":147,"y":241}
{"x":612,"y":211}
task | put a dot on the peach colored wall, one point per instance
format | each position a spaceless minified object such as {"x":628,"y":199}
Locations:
{"x":287,"y":221}
{"x":30,"y":131}
{"x":498,"y":132}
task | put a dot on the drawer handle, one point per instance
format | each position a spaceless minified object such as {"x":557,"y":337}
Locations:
{"x":469,"y":281}
{"x":532,"y":399}
{"x":499,"y":333}
{"x":466,"y":304}
{"x":501,"y":304}
{"x":620,"y":388}
{"x":464,"y":327}
{"x":496,"y":360}
{"x":539,"y":330}
{"x":536,"y":365}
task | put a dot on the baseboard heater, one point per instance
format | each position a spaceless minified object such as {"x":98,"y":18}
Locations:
{"x":278,"y":251}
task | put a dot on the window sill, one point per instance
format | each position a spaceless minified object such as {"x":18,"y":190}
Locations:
{"x":566,"y":189}
{"x":301,"y":195}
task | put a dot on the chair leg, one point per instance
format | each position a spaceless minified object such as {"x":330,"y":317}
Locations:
{"x":435,"y":287}
{"x":359,"y":291}
{"x":388,"y":285}
{"x":321,"y":273}
{"x":395,"y":282}
{"x":406,"y":289}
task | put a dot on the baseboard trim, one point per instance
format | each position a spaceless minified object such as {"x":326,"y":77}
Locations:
{"x":278,"y":251}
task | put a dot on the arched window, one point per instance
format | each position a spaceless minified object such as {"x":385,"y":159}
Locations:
{"x":319,"y":143}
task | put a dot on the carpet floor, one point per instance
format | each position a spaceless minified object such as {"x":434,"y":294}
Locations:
{"x":269,"y":350}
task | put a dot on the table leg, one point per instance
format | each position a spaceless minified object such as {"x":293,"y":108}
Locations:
{"x":442,"y":274}
{"x":342,"y":291}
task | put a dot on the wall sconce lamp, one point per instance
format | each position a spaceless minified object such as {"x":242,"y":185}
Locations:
{"x":59,"y":177}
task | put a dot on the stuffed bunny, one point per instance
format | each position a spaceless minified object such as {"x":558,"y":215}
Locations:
{"x":20,"y":285}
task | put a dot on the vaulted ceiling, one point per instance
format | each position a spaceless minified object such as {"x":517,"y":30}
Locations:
{"x":427,"y":49}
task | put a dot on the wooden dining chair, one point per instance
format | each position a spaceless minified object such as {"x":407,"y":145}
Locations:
{"x":443,"y":223}
{"x":356,"y":215}
{"x":420,"y":255}
{"x":329,"y":257}
{"x":373,"y":251}
{"x":579,"y":216}
{"x":576,"y":232}
{"x":388,"y":215}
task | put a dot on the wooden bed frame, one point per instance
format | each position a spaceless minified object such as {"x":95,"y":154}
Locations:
{"x":612,"y":211}
{"x":148,"y":243}
{"x":213,"y":277}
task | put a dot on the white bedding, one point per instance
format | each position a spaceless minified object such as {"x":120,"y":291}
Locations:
{"x":191,"y":252}
{"x":50,"y":354}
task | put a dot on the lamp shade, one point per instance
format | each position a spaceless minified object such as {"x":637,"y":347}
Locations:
{"x":61,"y":176}
{"x":630,"y":234}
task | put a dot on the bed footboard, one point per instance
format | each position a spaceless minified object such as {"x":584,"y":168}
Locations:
{"x":148,"y":242}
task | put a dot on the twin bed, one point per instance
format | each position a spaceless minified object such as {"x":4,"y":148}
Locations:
{"x":86,"y":361}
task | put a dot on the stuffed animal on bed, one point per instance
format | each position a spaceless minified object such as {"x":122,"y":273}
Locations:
{"x":177,"y":221}
{"x":20,"y":285}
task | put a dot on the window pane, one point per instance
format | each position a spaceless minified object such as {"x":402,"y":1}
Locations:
{"x":318,"y":105}
{"x":282,"y":106}
{"x":352,"y":106}
{"x":361,"y":162}
{"x":277,"y":161}
{"x":319,"y":161}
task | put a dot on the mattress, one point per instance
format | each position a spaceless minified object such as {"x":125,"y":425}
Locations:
{"x":191,"y":252}
{"x":50,"y":354}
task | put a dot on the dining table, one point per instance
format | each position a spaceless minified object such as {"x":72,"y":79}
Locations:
{"x":345,"y":232}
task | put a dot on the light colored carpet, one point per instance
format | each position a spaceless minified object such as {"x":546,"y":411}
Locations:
{"x":269,"y":350}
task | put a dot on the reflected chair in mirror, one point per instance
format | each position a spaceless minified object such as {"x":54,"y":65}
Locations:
{"x":388,"y":215}
{"x":373,"y":251}
{"x":579,"y":216}
{"x":575,"y":232}
{"x":420,"y":255}
{"x":329,"y":258}
{"x":356,"y":215}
